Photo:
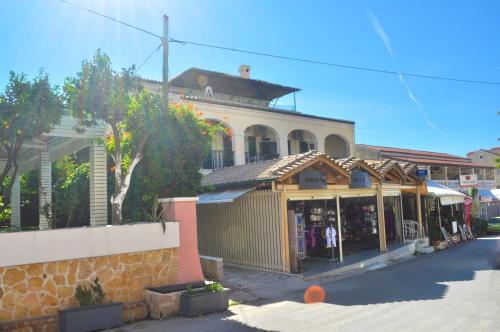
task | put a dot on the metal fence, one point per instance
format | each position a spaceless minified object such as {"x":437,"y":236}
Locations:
{"x":246,"y":232}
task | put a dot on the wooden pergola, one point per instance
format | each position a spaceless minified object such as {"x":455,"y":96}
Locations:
{"x":41,"y":152}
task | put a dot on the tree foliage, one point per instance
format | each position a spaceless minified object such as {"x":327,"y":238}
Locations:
{"x":27,"y":110}
{"x":99,"y":94}
{"x":172,"y":161}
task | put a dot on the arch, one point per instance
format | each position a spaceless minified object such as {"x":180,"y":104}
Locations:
{"x":336,"y":146}
{"x":261,"y":143}
{"x":301,"y":141}
{"x":222,"y":150}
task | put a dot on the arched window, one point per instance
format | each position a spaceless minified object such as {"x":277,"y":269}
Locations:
{"x":336,"y":146}
{"x":260,"y":143}
{"x":301,"y":141}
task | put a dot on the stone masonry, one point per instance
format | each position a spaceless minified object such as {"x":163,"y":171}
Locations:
{"x":39,"y":290}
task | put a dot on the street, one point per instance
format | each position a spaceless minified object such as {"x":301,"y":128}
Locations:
{"x":457,"y":289}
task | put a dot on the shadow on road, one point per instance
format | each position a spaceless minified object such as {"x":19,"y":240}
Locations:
{"x":415,"y":280}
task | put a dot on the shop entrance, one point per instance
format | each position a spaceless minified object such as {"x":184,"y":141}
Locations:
{"x":316,"y":228}
{"x":359,"y":222}
{"x":393,"y":217}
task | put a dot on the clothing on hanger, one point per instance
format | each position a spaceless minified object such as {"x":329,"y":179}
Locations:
{"x":331,"y":235}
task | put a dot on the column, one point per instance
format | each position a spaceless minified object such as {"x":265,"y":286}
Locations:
{"x":283,"y":145}
{"x":98,"y":186}
{"x":183,"y":211}
{"x":446,"y":175}
{"x":239,"y":149}
{"x":339,"y":229}
{"x":429,"y":173}
{"x":419,"y":212}
{"x":321,"y":145}
{"x":45,"y":192}
{"x":15,"y":203}
{"x":381,"y":220}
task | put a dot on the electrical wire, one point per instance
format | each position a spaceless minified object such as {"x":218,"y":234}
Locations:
{"x":149,"y":57}
{"x":375,"y":70}
{"x":289,"y":58}
{"x":112,"y":19}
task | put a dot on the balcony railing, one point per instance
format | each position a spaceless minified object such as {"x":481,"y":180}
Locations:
{"x":259,"y":157}
{"x":219,"y":159}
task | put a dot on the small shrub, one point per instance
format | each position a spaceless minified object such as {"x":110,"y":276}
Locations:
{"x":214,"y":287}
{"x":479,"y":226}
{"x":90,"y":296}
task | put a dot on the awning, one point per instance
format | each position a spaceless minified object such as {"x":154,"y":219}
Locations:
{"x":489,"y":195}
{"x":446,"y":195}
{"x":226,"y":196}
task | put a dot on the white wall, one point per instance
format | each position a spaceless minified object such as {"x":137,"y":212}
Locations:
{"x":72,"y":243}
{"x":239,"y":118}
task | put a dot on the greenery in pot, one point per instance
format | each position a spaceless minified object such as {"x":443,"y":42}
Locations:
{"x":214,"y":287}
{"x":435,"y":233}
{"x":90,"y":296}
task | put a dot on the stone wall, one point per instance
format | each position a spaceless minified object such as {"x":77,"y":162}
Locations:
{"x":39,"y":290}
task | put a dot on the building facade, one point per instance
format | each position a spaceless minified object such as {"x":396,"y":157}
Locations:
{"x":442,"y":168}
{"x":489,"y":158}
{"x":257,"y":131}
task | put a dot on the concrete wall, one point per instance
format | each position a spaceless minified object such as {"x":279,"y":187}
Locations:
{"x":73,"y":243}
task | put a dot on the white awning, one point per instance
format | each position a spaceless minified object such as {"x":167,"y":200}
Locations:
{"x":446,"y":195}
{"x":227,"y":196}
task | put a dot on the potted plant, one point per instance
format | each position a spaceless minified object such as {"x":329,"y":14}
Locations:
{"x":94,"y":312}
{"x":212,"y":298}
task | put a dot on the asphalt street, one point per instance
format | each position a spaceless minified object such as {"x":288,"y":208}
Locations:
{"x":454,"y":290}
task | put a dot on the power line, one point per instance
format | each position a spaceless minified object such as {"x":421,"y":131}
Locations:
{"x":112,"y":19}
{"x":375,"y":70}
{"x":149,"y":57}
{"x":289,"y":58}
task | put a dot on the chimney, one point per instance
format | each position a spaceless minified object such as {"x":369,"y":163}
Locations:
{"x":244,"y":71}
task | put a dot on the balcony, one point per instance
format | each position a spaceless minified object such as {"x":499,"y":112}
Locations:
{"x":218,"y":159}
{"x":254,"y":158}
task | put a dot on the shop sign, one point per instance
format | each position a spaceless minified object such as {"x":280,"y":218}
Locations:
{"x":312,"y":180}
{"x":469,"y":180}
{"x":360,"y":179}
{"x":421,"y":172}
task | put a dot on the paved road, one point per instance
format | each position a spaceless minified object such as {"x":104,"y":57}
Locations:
{"x":454,"y":290}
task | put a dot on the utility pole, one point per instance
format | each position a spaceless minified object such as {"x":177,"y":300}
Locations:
{"x":165,"y":61}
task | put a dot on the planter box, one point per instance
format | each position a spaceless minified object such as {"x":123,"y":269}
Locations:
{"x":98,"y":317}
{"x":164,"y":302}
{"x":200,"y":302}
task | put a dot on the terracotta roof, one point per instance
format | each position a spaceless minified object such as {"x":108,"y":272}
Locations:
{"x":448,"y":162}
{"x":263,"y":171}
{"x":412,"y":153}
{"x":352,"y":162}
{"x":407,"y":167}
{"x":230,"y":84}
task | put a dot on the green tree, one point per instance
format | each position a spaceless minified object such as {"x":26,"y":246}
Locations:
{"x":172,"y":160}
{"x":27,"y":110}
{"x":99,"y":94}
{"x":70,"y":195}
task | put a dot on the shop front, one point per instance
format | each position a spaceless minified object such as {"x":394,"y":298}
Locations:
{"x":302,"y":209}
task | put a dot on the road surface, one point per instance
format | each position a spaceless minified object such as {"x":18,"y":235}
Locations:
{"x":454,"y":290}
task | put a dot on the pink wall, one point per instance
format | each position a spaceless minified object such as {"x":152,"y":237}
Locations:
{"x":183,"y":209}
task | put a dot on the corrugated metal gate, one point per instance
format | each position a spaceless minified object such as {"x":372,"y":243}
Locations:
{"x":246,"y":232}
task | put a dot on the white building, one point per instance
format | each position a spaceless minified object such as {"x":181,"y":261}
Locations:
{"x":258,"y":131}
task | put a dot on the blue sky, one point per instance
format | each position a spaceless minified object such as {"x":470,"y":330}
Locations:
{"x":445,"y":38}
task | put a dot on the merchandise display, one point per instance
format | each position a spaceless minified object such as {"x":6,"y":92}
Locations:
{"x":317,"y":217}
